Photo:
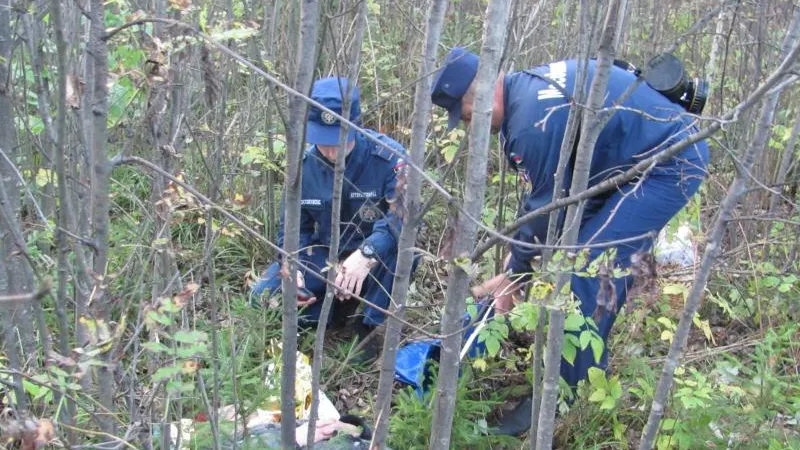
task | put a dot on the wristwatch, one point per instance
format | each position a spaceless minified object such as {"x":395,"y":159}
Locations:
{"x":368,"y":250}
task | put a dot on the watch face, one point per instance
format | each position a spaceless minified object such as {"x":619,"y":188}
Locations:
{"x":368,"y":250}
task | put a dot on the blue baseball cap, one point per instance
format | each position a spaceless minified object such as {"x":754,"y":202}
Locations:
{"x":453,"y":81}
{"x":322,"y":127}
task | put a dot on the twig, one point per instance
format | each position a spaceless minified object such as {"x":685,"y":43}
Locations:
{"x":33,"y":296}
{"x":27,"y":190}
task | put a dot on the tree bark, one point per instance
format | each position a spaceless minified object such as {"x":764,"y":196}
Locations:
{"x":583,"y":160}
{"x":465,"y":233}
{"x":16,"y":315}
{"x":750,"y":154}
{"x":333,"y":249}
{"x":100,"y":190}
{"x":567,"y":145}
{"x":62,"y":222}
{"x":408,"y":205}
{"x":295,"y":137}
{"x":716,"y":50}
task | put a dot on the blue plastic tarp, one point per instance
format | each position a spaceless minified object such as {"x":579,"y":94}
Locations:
{"x":411,"y":362}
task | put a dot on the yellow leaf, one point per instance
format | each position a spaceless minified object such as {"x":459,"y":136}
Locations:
{"x":43,"y":177}
{"x":480,"y":364}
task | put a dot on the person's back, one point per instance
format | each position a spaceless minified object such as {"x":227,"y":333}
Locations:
{"x":645,"y":123}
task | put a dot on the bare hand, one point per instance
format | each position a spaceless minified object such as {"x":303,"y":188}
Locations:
{"x":301,"y":283}
{"x":503,"y":289}
{"x":351,"y":275}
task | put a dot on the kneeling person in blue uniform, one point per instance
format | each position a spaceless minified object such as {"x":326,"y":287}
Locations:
{"x":369,"y":228}
{"x":529,"y":114}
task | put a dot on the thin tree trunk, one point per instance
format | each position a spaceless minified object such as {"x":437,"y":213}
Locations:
{"x":408,"y":205}
{"x":623,"y":14}
{"x":295,"y":137}
{"x":100,"y":190}
{"x":750,"y":154}
{"x":214,"y":192}
{"x":716,"y":49}
{"x":583,"y":160}
{"x":62,"y":245}
{"x":333,"y":249}
{"x":783,"y":168}
{"x":15,"y":315}
{"x":457,"y":288}
{"x":567,"y":146}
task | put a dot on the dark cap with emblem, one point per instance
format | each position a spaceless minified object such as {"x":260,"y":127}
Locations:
{"x":322,"y":127}
{"x":460,"y":68}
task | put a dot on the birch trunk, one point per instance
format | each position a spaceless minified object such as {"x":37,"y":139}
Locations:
{"x":409,"y":206}
{"x":580,"y":180}
{"x":457,"y":286}
{"x":716,"y":50}
{"x":295,"y":138}
{"x":750,"y":154}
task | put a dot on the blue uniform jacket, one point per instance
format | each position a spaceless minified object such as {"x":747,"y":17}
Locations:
{"x":532,"y":145}
{"x":369,"y":188}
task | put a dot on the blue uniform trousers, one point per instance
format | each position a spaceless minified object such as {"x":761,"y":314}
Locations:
{"x":377,"y":287}
{"x":629,"y":211}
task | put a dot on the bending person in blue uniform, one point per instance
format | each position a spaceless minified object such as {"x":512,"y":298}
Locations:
{"x":369,"y":228}
{"x":529,"y":114}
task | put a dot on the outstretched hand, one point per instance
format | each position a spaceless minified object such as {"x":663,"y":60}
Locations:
{"x":352,"y":273}
{"x":505,"y":291}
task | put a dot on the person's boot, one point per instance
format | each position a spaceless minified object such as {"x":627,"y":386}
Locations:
{"x":516,"y":421}
{"x":371,"y":349}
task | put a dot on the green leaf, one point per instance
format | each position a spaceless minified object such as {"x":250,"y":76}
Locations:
{"x":586,"y":338}
{"x":166,"y":373}
{"x":597,"y":348}
{"x":597,"y":377}
{"x":569,"y":352}
{"x":190,"y":337}
{"x":598,"y":396}
{"x":179,"y":387}
{"x":574,"y":322}
{"x":608,"y":403}
{"x":449,"y":153}
{"x":770,"y":281}
{"x":480,"y":364}
{"x":674,"y":289}
{"x":668,"y":424}
{"x":158,"y":317}
{"x":492,"y":345}
{"x":155,"y":347}
{"x":615,"y":388}
{"x":169,"y":306}
{"x":200,"y":349}
{"x":666,"y":322}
